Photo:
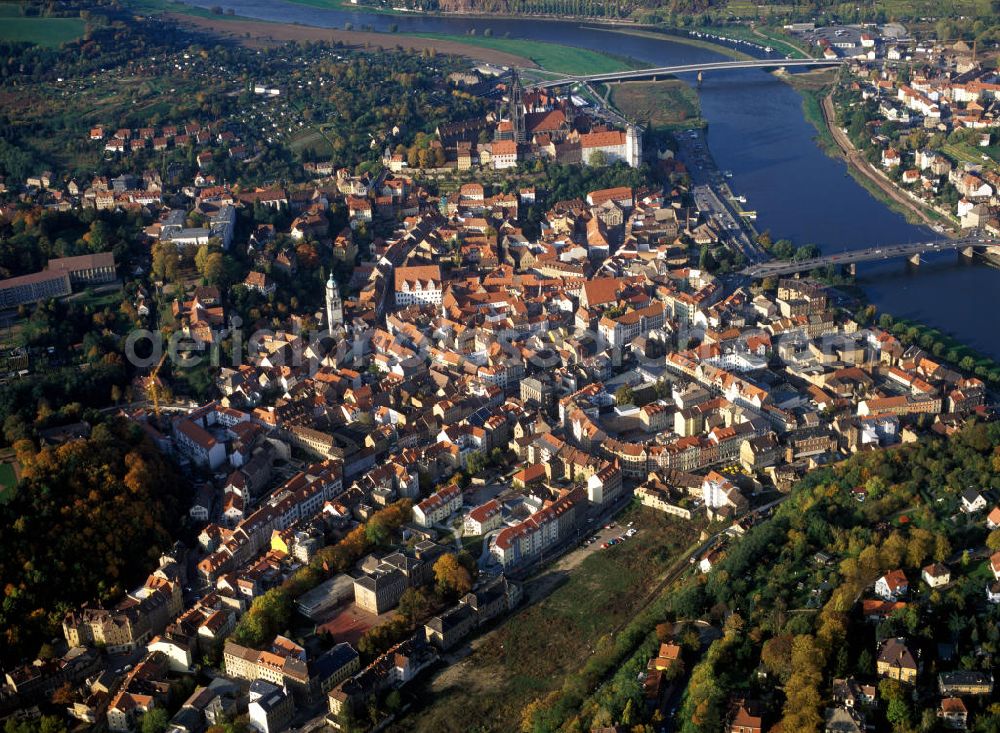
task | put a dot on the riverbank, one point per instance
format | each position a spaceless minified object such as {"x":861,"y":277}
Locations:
{"x":780,"y":43}
{"x":680,"y":38}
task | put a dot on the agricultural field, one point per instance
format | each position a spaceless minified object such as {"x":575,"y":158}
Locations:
{"x":658,"y":104}
{"x":531,"y":653}
{"x":42,"y":31}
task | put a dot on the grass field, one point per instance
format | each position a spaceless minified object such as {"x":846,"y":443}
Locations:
{"x":549,"y":56}
{"x":969,"y":153}
{"x":8,"y":481}
{"x":41,"y":31}
{"x":531,"y":653}
{"x":660,"y":104}
{"x":172,"y":6}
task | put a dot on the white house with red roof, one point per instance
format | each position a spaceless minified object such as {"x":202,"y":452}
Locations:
{"x":484,"y":518}
{"x":438,"y":506}
{"x":892,"y":586}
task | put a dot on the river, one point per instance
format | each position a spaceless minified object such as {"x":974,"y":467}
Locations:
{"x":758,"y":132}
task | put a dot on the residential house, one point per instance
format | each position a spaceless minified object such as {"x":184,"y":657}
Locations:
{"x":892,"y":586}
{"x":936,"y":575}
{"x":842,"y":720}
{"x":972,"y":501}
{"x":271,"y":708}
{"x":437,"y":507}
{"x":745,"y":719}
{"x":965,"y":682}
{"x":896,"y":662}
{"x":953,"y":714}
{"x":484,"y":518}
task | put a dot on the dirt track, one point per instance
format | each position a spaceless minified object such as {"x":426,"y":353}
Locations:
{"x":858,"y":162}
{"x":258,"y":33}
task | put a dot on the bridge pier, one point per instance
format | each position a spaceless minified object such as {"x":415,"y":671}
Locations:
{"x":967,"y":252}
{"x":851,"y":269}
{"x":914,"y":259}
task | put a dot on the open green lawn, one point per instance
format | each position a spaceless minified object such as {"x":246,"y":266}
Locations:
{"x":549,"y":56}
{"x":8,"y":482}
{"x":152,"y":7}
{"x":661,"y":104}
{"x":42,"y":31}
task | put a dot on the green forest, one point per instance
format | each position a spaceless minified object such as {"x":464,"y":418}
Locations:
{"x":72,"y":528}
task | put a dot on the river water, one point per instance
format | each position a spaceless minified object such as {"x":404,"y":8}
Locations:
{"x":757,"y":131}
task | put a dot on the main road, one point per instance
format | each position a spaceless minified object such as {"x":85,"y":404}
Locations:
{"x":633,"y":74}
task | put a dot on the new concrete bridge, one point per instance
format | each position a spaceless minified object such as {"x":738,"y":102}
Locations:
{"x":634,"y":74}
{"x":967,"y":246}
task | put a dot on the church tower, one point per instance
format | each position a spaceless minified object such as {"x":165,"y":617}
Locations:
{"x":633,"y":145}
{"x":517,"y":108}
{"x":334,"y":306}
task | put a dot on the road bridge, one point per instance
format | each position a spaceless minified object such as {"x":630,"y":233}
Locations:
{"x":636,"y":74}
{"x":968,"y":246}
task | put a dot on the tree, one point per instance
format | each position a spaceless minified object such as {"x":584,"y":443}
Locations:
{"x":942,"y":548}
{"x":993,"y":540}
{"x":598,"y":159}
{"x":165,"y":260}
{"x":452,"y":579}
{"x":414,"y":605}
{"x":268,"y":616}
{"x":376,"y":531}
{"x":63,"y":695}
{"x":154,"y":721}
{"x":624,"y":395}
{"x":802,"y":695}
{"x":776,"y":656}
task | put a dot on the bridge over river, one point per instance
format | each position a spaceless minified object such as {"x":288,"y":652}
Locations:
{"x":967,"y":246}
{"x":652,"y":73}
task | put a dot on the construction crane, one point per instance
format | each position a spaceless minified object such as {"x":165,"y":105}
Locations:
{"x":154,"y":387}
